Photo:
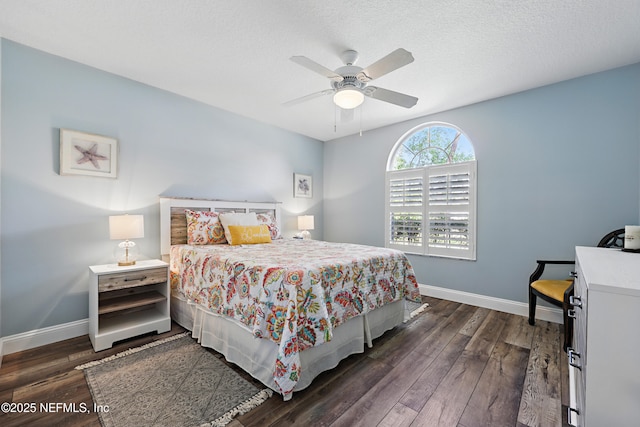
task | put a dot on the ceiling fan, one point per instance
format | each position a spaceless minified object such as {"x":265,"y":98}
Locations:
{"x":349,"y":83}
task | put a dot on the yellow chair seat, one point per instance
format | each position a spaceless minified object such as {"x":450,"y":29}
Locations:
{"x":552,"y":288}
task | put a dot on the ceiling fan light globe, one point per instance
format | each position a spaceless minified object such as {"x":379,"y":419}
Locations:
{"x":348,"y":98}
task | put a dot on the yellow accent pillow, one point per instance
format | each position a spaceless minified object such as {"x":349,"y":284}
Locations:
{"x":249,"y":234}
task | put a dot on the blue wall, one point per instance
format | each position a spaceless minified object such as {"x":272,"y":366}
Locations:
{"x":53,"y":227}
{"x":558,"y":167}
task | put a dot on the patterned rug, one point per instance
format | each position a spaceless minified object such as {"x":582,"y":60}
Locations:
{"x":171,"y":382}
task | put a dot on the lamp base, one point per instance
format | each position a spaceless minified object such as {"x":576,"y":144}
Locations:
{"x":305,"y":235}
{"x":126,"y":253}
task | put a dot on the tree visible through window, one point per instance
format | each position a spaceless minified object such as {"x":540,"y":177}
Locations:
{"x":431,"y":193}
{"x":433,"y":145}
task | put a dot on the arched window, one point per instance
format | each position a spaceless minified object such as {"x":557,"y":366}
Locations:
{"x":431,"y":193}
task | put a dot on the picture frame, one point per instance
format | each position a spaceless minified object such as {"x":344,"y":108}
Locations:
{"x":302,"y":185}
{"x":88,"y":154}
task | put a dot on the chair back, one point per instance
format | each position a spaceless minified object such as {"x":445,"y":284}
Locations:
{"x":615,"y":239}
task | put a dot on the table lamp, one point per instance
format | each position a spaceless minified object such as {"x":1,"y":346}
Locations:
{"x":126,"y":227}
{"x":305,"y":223}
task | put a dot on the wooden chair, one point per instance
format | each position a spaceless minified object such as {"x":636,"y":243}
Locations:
{"x":558,"y":292}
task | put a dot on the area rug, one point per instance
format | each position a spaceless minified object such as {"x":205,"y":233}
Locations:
{"x":170,"y":382}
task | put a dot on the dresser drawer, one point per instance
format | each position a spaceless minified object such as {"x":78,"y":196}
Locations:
{"x":112,"y":282}
{"x":580,"y":320}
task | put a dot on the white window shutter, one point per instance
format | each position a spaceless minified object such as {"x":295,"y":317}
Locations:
{"x":404,"y":214}
{"x":451,"y":210}
{"x":432,"y":210}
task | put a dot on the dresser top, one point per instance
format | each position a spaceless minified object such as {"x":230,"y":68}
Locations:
{"x":610,"y":269}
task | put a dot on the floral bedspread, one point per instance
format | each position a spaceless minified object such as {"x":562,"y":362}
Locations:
{"x":292,"y":292}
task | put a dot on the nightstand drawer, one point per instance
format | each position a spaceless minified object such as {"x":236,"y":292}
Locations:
{"x":111,"y":282}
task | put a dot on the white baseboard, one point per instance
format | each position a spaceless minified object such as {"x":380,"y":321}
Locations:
{"x":549,"y":314}
{"x":44,"y":336}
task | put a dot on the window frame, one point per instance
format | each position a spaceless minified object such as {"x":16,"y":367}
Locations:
{"x":405,"y":203}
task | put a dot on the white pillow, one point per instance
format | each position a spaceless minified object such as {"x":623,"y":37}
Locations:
{"x":227,"y":219}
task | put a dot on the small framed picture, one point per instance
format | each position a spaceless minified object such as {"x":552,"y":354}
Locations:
{"x":88,"y":154}
{"x":302,"y":185}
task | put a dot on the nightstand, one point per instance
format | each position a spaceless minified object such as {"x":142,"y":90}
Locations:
{"x":128,"y":301}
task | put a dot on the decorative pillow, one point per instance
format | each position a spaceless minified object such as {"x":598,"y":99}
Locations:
{"x":249,"y":234}
{"x":204,"y":228}
{"x":228,"y":219}
{"x":270,"y":221}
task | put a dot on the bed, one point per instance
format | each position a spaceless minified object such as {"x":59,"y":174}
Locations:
{"x":282,"y":309}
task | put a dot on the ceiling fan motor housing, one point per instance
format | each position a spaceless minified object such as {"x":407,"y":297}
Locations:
{"x":350,"y":78}
{"x":348,"y":81}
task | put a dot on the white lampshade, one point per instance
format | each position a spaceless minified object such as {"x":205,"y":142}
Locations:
{"x":125,"y":227}
{"x":305,"y":222}
{"x":348,"y":98}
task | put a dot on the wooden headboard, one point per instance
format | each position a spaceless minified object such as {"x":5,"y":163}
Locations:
{"x":173,"y":223}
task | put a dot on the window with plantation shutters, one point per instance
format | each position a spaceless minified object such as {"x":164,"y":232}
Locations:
{"x":431,"y":208}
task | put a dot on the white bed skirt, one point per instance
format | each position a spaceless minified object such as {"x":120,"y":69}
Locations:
{"x":257,"y":356}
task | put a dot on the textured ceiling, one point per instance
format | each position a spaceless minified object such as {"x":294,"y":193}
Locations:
{"x":234,"y":54}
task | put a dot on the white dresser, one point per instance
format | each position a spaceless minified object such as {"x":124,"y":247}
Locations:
{"x":604,"y":360}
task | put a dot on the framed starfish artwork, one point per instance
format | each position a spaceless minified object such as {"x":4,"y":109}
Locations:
{"x":88,"y":154}
{"x":302,"y":185}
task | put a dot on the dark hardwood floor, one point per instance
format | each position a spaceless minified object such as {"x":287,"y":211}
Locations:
{"x":454,"y":365}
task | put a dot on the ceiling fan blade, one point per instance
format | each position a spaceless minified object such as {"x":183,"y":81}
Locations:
{"x":308,"y":97}
{"x":396,"y":59}
{"x":314,"y":66}
{"x":390,"y":96}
